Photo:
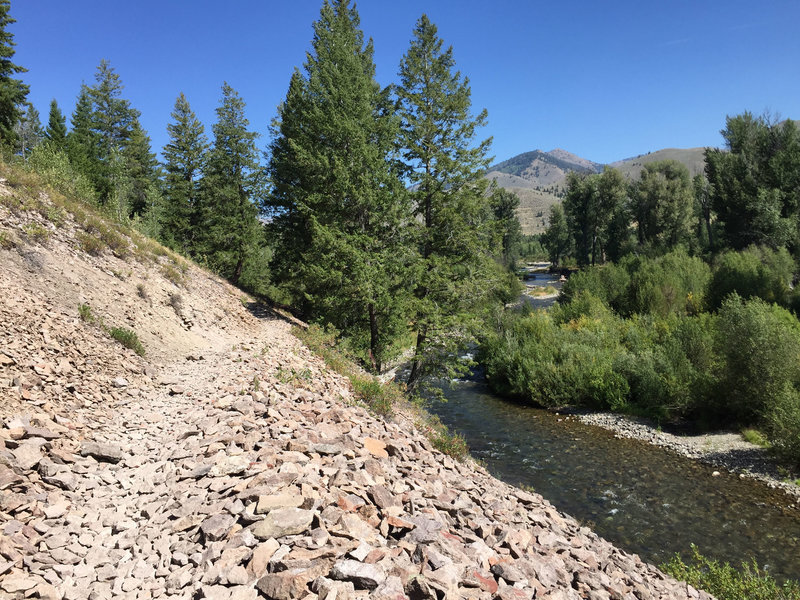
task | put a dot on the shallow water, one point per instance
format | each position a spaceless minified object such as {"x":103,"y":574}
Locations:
{"x":640,"y":497}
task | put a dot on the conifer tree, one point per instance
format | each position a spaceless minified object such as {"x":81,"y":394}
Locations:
{"x":81,"y":140}
{"x":340,"y":211}
{"x":453,"y":271}
{"x":12,"y":91}
{"x":28,"y":131}
{"x":112,"y":122}
{"x":141,"y":168}
{"x":184,"y":157}
{"x":56,"y":131}
{"x":231,"y":231}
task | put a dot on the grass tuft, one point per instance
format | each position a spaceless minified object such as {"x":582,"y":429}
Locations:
{"x":127,"y":338}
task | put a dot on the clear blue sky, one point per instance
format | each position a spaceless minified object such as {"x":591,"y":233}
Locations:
{"x":605,"y":80}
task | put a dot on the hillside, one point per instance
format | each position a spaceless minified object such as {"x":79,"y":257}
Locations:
{"x":693,"y":158}
{"x":228,"y":461}
{"x":538,"y":177}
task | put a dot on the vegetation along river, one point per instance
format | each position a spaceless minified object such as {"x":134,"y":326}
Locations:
{"x":641,"y":497}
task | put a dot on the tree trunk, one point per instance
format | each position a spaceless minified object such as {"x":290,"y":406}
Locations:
{"x":373,"y":339}
{"x":416,"y":364}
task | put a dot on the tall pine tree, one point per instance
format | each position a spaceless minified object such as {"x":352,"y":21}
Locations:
{"x":56,"y":131}
{"x":229,"y":223}
{"x":340,"y":211}
{"x":12,"y":91}
{"x":184,"y":158}
{"x":453,"y":273}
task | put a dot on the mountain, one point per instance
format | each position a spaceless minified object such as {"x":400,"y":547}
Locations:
{"x":544,"y":169}
{"x":538,"y":177}
{"x":693,"y":158}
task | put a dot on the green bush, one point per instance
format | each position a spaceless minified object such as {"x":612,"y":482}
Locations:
{"x":756,"y":272}
{"x":127,"y":338}
{"x":759,"y":349}
{"x":608,"y":282}
{"x":674,"y":283}
{"x":783,"y":425}
{"x":90,"y":243}
{"x":727,"y":583}
{"x":54,"y":168}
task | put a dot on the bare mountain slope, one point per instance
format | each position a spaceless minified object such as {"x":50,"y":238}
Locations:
{"x":693,"y":158}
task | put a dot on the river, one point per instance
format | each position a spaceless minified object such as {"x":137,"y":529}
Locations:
{"x":643,"y":498}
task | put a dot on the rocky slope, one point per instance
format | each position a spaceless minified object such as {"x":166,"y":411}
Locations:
{"x":229,"y":463}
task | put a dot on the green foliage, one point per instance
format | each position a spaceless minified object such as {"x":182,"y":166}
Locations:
{"x":671,"y":284}
{"x":451,"y":273}
{"x":228,"y":220}
{"x":755,"y":437}
{"x":556,"y":239}
{"x":36,"y":232}
{"x":726,"y":583}
{"x":340,"y":210}
{"x":452,"y":444}
{"x":184,"y":160}
{"x":662,"y":204}
{"x":89,"y":243}
{"x":783,"y":425}
{"x":753,"y":185}
{"x":7,"y":240}
{"x":591,"y":206}
{"x":56,"y":170}
{"x":56,"y":131}
{"x":12,"y":91}
{"x":127,"y":338}
{"x":759,"y":347}
{"x":507,"y":230}
{"x":756,"y":272}
{"x":86,"y":314}
{"x":28,"y":131}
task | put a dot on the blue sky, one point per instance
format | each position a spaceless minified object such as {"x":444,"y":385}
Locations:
{"x":604,"y":80}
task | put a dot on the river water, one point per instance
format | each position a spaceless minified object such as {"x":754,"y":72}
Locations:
{"x":642,"y":498}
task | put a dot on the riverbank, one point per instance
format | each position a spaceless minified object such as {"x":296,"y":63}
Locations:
{"x":724,"y":450}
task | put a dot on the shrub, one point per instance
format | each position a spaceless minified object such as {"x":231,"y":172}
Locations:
{"x":608,"y":282}
{"x":374,"y":393}
{"x":756,"y":272}
{"x":726,"y":583}
{"x":783,"y":425}
{"x":671,"y":284}
{"x":759,"y":346}
{"x":90,"y":244}
{"x":172,"y":274}
{"x":85,"y":312}
{"x":55,"y":169}
{"x":127,"y":338}
{"x":37,"y":232}
{"x":7,"y":240}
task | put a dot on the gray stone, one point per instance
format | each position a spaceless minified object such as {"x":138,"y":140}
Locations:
{"x":102,"y":452}
{"x":217,"y":527}
{"x":283,"y":521}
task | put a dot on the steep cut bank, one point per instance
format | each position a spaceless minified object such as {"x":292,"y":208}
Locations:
{"x":228,"y":462}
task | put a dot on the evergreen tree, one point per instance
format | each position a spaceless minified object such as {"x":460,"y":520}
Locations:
{"x":56,"y":132}
{"x":81,"y":140}
{"x":112,"y":123}
{"x":229,"y":221}
{"x":340,"y":211}
{"x":508,"y":230}
{"x":141,"y":168}
{"x":184,"y":157}
{"x":28,"y":131}
{"x":12,"y":91}
{"x":451,"y":275}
